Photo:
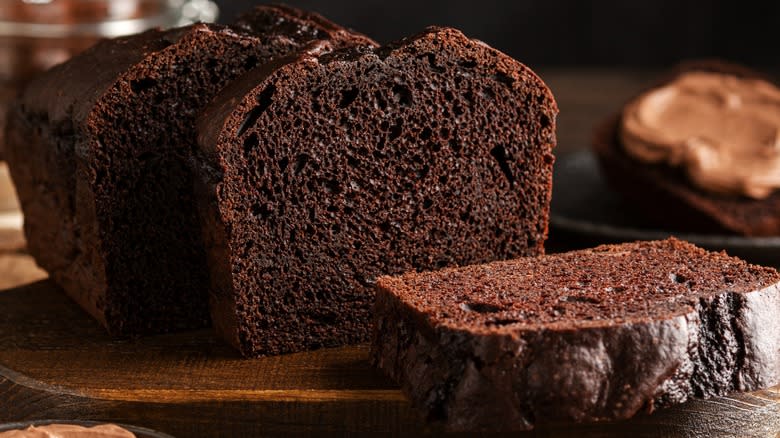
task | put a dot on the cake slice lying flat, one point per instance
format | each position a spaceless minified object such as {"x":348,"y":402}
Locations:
{"x":590,"y":335}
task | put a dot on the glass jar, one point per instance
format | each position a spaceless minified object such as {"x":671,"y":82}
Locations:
{"x":37,"y":34}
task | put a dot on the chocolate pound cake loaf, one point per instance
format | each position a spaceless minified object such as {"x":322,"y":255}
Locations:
{"x":668,"y":193}
{"x":590,"y":335}
{"x":318,"y":175}
{"x":98,"y":149}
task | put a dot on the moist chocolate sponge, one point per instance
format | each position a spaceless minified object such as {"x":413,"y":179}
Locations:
{"x":98,"y":150}
{"x":317,"y":175}
{"x":590,"y":335}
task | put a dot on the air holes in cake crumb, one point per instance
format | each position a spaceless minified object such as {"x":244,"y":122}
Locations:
{"x":545,"y":121}
{"x":427,"y":203}
{"x":261,"y":210}
{"x":333,"y":186}
{"x":476,"y":306}
{"x":499,"y":153}
{"x":397,"y":129}
{"x":283,"y":163}
{"x":380,"y":101}
{"x":264,"y":100}
{"x":300,"y":163}
{"x":140,"y":85}
{"x":347,"y":97}
{"x":432,"y":63}
{"x":469,"y":96}
{"x":443,"y":179}
{"x":248,"y":247}
{"x":422,"y":172}
{"x":468,"y":63}
{"x":677,"y":278}
{"x":250,"y":143}
{"x":488,"y":93}
{"x":455,"y":145}
{"x":426,"y":134}
{"x":402,"y":94}
{"x":505,"y":79}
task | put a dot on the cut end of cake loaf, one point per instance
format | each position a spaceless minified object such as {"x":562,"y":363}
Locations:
{"x":99,"y":153}
{"x":331,"y":171}
{"x":589,"y":335}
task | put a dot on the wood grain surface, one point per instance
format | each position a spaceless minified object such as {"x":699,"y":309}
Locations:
{"x":56,"y":362}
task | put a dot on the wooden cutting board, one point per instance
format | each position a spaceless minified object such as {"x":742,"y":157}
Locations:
{"x":56,"y":362}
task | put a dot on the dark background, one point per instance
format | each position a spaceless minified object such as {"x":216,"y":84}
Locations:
{"x":636,"y":33}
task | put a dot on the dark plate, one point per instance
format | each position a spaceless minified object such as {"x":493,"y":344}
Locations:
{"x":585,"y":211}
{"x":140,"y":432}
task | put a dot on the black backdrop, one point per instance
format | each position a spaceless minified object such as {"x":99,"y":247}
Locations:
{"x":575,"y":32}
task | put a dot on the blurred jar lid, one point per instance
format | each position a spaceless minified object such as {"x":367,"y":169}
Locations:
{"x":97,"y":18}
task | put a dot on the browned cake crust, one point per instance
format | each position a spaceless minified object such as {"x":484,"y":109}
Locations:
{"x":317,"y":176}
{"x":98,"y":148}
{"x":665,"y":193}
{"x":297,"y":24}
{"x":590,"y":335}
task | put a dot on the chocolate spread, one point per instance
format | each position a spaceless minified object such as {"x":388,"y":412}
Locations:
{"x":722,"y":130}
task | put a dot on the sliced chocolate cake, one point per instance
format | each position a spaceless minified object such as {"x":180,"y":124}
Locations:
{"x":597,"y":334}
{"x":318,"y":175}
{"x":98,"y":149}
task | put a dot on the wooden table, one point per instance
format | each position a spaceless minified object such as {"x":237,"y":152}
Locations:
{"x":56,"y":362}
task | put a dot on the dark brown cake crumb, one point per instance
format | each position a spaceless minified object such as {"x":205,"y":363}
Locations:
{"x":98,"y":149}
{"x":588,"y":335}
{"x":318,"y":175}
